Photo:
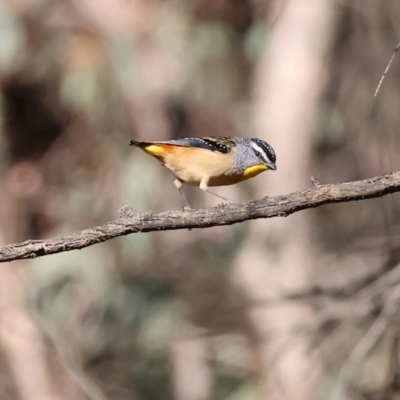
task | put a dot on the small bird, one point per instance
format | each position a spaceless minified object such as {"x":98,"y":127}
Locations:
{"x":211,"y":161}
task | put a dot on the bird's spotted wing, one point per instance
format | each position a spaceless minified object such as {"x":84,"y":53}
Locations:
{"x":220,"y":144}
{"x":212,"y":143}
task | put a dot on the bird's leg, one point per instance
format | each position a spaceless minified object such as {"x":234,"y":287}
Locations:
{"x":221,"y":197}
{"x":203,"y":186}
{"x":178,"y":184}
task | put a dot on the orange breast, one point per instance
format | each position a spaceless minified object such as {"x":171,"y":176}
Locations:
{"x":193,"y":165}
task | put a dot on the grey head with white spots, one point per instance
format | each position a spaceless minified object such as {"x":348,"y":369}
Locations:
{"x":253,"y":152}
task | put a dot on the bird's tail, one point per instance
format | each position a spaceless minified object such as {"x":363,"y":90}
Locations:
{"x":155,"y":149}
{"x":136,"y":143}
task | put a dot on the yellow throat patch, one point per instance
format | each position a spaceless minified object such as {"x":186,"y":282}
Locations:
{"x":254,"y":170}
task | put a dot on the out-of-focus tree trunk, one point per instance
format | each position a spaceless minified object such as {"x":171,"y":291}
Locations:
{"x":279,"y":254}
{"x":190,"y":358}
{"x":20,"y":339}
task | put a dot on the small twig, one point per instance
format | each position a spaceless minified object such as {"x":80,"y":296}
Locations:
{"x":393,"y":367}
{"x":386,"y":70}
{"x":359,"y":304}
{"x":368,"y":341}
{"x":315,"y":181}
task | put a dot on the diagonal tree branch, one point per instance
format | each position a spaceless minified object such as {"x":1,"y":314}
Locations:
{"x":226,"y":214}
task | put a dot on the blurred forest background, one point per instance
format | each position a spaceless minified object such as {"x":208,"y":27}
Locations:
{"x":299,"y":308}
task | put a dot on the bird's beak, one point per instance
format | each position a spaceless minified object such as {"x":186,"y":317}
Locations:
{"x":271,"y":166}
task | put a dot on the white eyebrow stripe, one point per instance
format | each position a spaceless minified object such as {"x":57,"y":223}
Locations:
{"x":258,"y":148}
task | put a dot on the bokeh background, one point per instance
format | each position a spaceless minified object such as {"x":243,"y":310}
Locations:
{"x":304,"y":307}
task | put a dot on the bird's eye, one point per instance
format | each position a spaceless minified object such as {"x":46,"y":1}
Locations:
{"x":257,"y":153}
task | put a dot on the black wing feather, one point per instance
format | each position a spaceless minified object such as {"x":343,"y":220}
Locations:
{"x":212,"y":143}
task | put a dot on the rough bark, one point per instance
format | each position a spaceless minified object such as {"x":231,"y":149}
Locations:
{"x":225,"y":214}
